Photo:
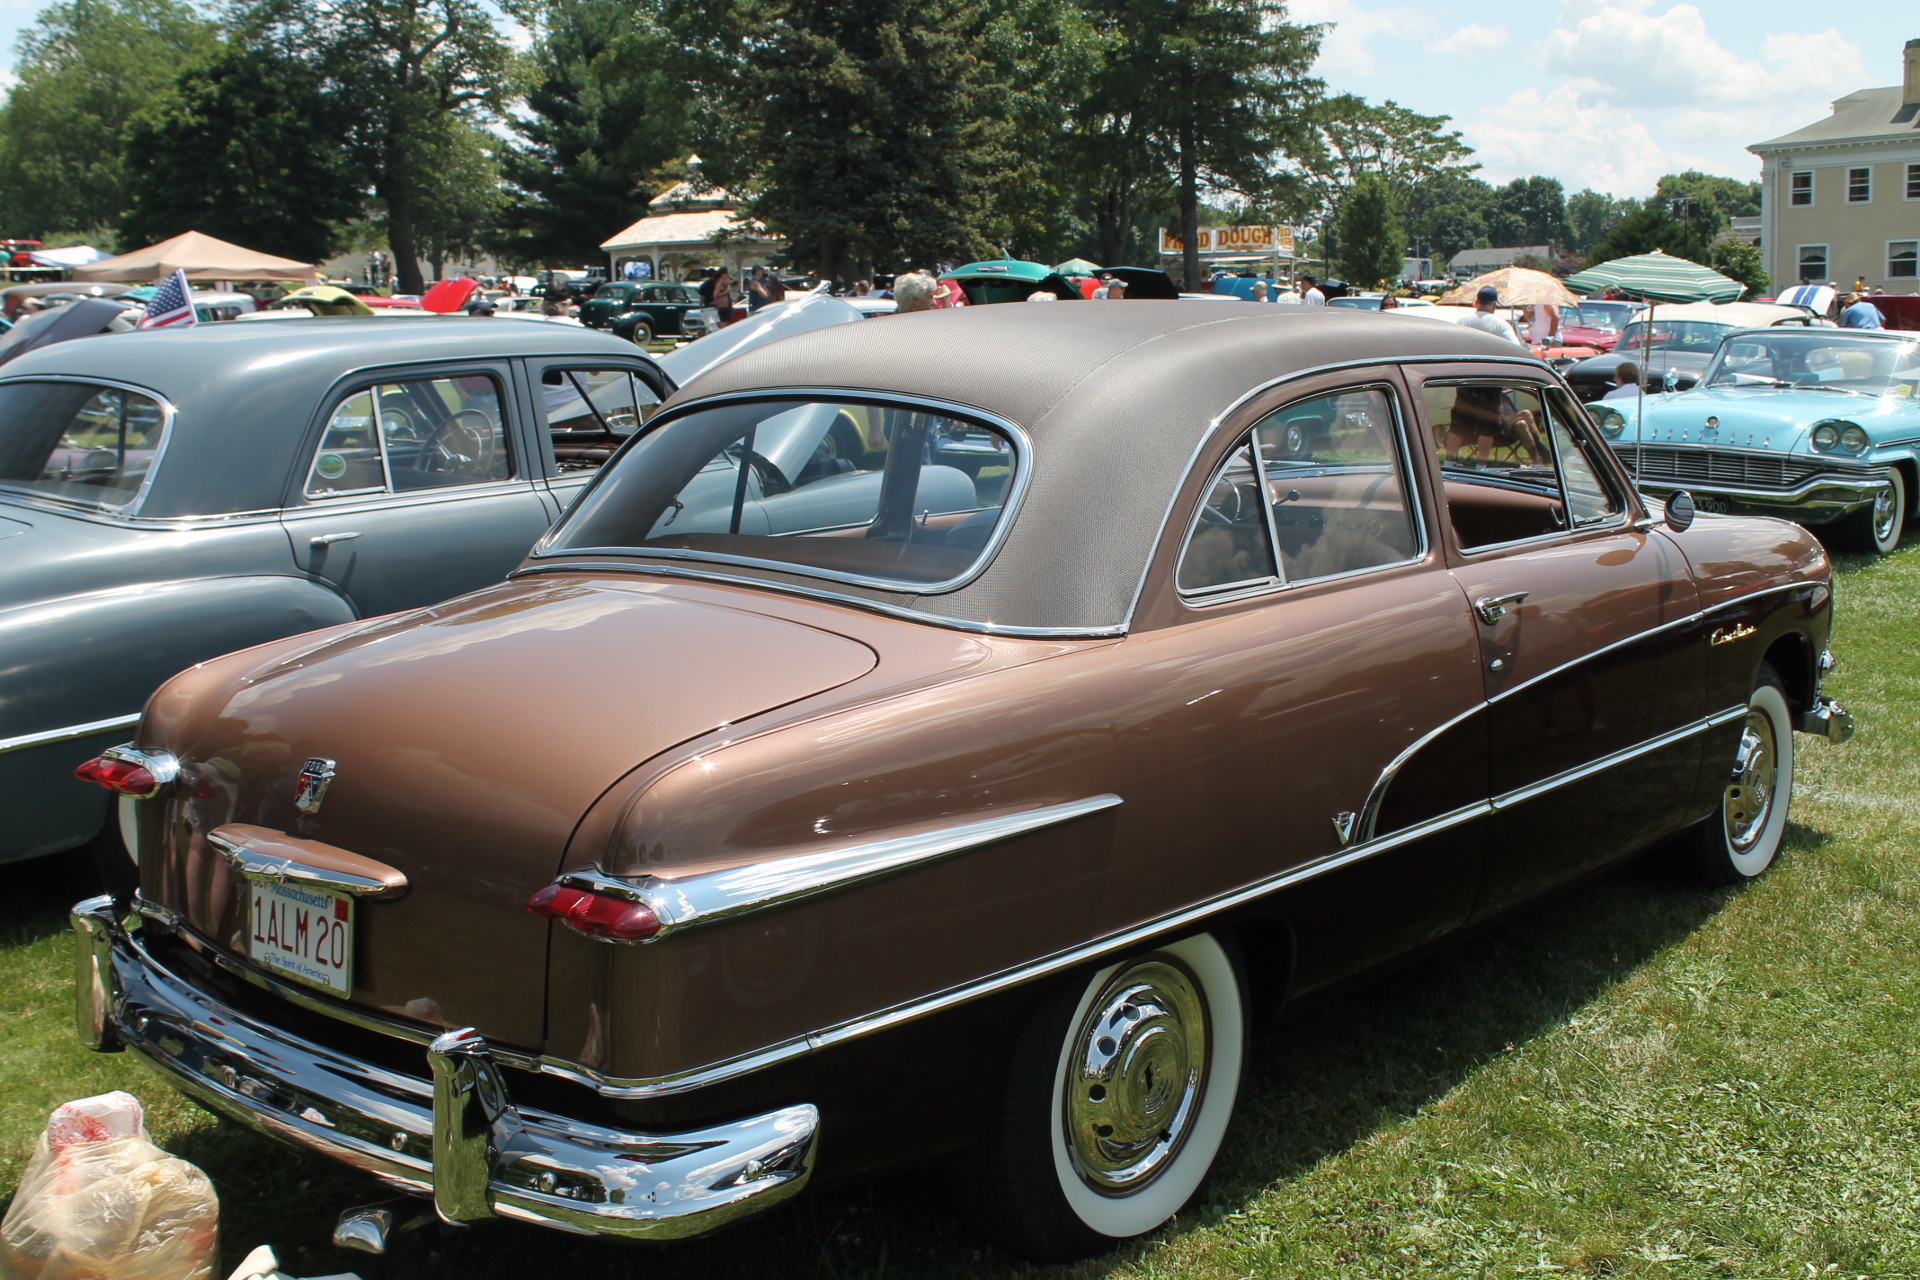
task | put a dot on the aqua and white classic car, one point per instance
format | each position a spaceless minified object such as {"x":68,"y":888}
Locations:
{"x":1820,"y":426}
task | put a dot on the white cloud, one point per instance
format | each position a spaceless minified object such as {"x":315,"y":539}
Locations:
{"x":1471,"y":41}
{"x":1344,"y":52}
{"x":1584,"y":144}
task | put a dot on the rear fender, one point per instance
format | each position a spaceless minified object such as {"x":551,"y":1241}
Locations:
{"x":95,"y":658}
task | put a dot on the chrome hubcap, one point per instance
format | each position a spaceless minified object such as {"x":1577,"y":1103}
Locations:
{"x":1883,"y":505}
{"x":1135,"y":1077}
{"x":1749,"y":798}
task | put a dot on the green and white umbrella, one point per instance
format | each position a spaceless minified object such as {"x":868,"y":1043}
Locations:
{"x":1658,"y":277}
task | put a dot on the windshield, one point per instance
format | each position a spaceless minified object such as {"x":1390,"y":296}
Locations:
{"x":1819,"y":358}
{"x":78,"y":441}
{"x":1593,"y":316}
{"x":615,"y":290}
{"x":1686,"y":335}
{"x":840,"y":488}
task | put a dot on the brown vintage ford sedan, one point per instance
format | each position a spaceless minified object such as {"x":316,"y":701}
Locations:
{"x":938,"y":736}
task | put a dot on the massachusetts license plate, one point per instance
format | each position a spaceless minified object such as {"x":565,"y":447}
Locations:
{"x":304,"y":934}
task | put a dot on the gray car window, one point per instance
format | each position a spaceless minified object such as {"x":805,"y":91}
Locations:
{"x":433,"y":433}
{"x":78,"y":441}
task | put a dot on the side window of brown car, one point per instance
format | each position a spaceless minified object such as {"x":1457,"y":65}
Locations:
{"x":426,"y":433}
{"x":1512,"y":468}
{"x":1317,"y":489}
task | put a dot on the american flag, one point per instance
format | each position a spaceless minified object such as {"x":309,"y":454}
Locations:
{"x":171,"y":304}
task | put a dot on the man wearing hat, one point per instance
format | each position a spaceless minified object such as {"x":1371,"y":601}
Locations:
{"x":1484,"y":319}
{"x":1859,"y":313}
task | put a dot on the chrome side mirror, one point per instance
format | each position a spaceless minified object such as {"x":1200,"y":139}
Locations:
{"x":1680,"y":510}
{"x":1669,"y":382}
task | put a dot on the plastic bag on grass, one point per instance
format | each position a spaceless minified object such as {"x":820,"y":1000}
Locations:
{"x":101,"y":1202}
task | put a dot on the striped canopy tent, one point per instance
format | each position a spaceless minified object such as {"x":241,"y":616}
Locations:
{"x":1658,"y":277}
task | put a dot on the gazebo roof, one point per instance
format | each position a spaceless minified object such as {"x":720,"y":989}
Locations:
{"x":693,"y":230}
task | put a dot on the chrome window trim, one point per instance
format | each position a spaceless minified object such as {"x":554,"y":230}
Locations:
{"x":1281,"y":582}
{"x":1377,"y":794}
{"x":1016,"y":489}
{"x":131,"y":507}
{"x":687,"y":902}
{"x":25,"y":741}
{"x":335,"y":504}
{"x":804,"y":591}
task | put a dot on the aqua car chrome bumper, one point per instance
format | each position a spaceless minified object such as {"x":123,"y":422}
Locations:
{"x":458,"y":1137}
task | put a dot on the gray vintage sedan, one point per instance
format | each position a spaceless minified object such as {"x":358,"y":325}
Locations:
{"x":173,"y":495}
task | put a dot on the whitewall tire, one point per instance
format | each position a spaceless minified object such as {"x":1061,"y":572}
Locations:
{"x":1743,"y":837}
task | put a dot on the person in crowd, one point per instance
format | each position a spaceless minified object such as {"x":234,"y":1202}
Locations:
{"x":1311,"y":295}
{"x":1859,"y":284}
{"x":1485,"y":319}
{"x":1389,"y":302}
{"x":1626,"y":381}
{"x":913,"y":291}
{"x":1543,"y":323}
{"x":1288,"y":295}
{"x":1259,"y":290}
{"x":1115,"y":290}
{"x":758,"y":294}
{"x":554,"y":311}
{"x":1859,"y":313}
{"x":707,"y":278}
{"x":1041,"y":295}
{"x":724,"y":296}
{"x":861,"y":289}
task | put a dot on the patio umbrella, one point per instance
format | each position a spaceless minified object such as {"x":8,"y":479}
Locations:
{"x":1657,"y":277}
{"x":1076,"y":267}
{"x":1518,"y":286}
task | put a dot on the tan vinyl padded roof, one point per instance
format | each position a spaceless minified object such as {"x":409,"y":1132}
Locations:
{"x":1115,"y":398}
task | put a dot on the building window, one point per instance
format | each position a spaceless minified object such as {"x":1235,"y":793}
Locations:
{"x":1802,"y":190}
{"x":1859,"y":186}
{"x":1913,"y":182}
{"x":1813,"y":263}
{"x":1903,"y":259}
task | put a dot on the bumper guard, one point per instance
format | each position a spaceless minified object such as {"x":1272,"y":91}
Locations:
{"x":1827,"y":719}
{"x":458,"y":1138}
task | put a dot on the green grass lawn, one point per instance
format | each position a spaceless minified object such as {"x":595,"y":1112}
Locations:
{"x":1635,"y":1079}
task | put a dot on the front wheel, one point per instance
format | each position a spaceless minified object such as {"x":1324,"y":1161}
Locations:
{"x":1116,"y":1105}
{"x":1877,"y":528}
{"x":642,"y":333}
{"x":1743,"y":838}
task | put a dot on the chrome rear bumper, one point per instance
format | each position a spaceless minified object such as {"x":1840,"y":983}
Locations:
{"x":458,"y":1138}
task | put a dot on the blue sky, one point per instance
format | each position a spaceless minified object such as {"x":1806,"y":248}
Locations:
{"x":1608,"y":94}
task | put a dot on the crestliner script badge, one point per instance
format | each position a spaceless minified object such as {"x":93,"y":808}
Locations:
{"x":313,"y":785}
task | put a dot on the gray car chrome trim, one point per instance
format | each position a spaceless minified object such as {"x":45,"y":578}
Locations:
{"x":689,"y":901}
{"x":1532,"y":790}
{"x":131,"y":507}
{"x":72,"y":731}
{"x":818,"y":593}
{"x":1859,"y":489}
{"x":1009,"y":505}
{"x":1376,"y":796}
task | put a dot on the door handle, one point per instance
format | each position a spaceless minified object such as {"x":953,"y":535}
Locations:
{"x":328,"y":539}
{"x":1493,"y":608}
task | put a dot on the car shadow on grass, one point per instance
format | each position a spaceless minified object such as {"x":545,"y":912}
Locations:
{"x":1319,"y":1082}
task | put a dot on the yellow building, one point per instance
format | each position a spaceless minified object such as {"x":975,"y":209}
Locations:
{"x":1840,"y":199}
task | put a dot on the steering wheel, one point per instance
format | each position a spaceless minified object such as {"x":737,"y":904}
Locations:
{"x":771,"y":481}
{"x":459,"y":447}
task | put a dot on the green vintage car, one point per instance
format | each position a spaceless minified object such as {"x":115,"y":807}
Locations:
{"x":641,"y":310}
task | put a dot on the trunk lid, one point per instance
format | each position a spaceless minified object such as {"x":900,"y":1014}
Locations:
{"x":465,"y":742}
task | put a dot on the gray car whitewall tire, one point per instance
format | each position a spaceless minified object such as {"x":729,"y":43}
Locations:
{"x":1743,"y":836}
{"x":1878,"y":526}
{"x":1119,"y":1098}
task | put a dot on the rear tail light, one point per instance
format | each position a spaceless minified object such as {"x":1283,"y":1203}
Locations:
{"x":598,"y":915}
{"x":130,"y":772}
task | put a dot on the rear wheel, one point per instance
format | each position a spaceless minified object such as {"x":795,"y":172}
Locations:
{"x":1116,"y":1105}
{"x":1877,"y":528}
{"x":642,"y":333}
{"x":1743,"y":837}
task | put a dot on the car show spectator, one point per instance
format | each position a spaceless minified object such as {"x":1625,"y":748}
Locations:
{"x":1311,"y":295}
{"x":1486,"y":321}
{"x":913,"y":291}
{"x":1859,"y":313}
{"x":759,"y":291}
{"x":1626,"y":381}
{"x":1041,"y":295}
{"x":1543,"y":323}
{"x":1259,"y":291}
{"x":554,"y":311}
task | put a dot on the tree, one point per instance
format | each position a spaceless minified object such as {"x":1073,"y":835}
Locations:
{"x":246,"y":149}
{"x":1647,"y":229}
{"x":1372,"y":245}
{"x":863,"y":127}
{"x":1591,"y":214}
{"x":86,"y":68}
{"x":1538,"y":209}
{"x":1738,"y":260}
{"x":459,"y":200}
{"x":1425,"y":165}
{"x":604,"y":113}
{"x":1735,"y":199}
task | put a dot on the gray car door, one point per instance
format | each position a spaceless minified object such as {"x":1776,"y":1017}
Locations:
{"x":417,"y":488}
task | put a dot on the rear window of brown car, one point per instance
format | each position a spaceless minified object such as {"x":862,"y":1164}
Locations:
{"x":888,"y":494}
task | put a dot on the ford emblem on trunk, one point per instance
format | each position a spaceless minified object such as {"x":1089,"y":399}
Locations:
{"x":313,"y":785}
